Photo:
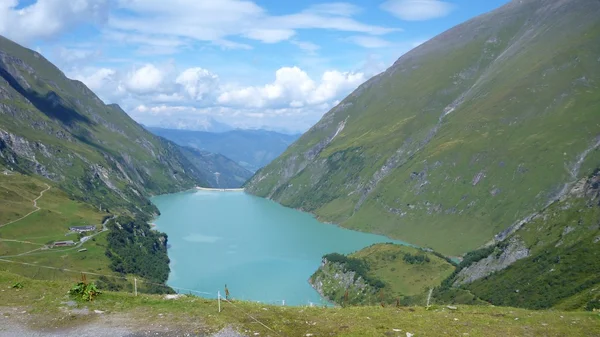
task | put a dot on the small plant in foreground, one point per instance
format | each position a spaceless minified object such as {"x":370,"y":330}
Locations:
{"x":85,"y":291}
{"x":17,"y":285}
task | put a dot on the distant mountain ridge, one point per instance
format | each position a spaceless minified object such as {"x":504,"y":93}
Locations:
{"x":207,"y":124}
{"x":462,"y":137}
{"x":58,"y":129}
{"x":251,"y":149}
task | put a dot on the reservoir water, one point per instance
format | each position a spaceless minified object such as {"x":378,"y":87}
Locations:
{"x":263,"y":251}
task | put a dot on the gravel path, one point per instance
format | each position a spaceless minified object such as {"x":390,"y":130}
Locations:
{"x":12,"y":325}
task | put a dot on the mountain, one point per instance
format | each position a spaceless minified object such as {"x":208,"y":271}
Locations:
{"x":252,"y":149}
{"x":206,"y":124}
{"x":552,"y":260}
{"x":462,"y":137}
{"x":218,"y":170}
{"x":56,"y":128}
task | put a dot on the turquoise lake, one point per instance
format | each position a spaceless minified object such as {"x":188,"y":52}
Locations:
{"x":263,"y":251}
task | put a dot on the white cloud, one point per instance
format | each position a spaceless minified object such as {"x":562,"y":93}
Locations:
{"x":158,"y":94}
{"x":146,"y":79}
{"x":198,"y":82}
{"x":287,"y":119}
{"x":270,"y":35}
{"x":309,"y":47}
{"x":417,"y":10}
{"x":311,"y":20}
{"x":146,"y":43}
{"x":226,"y":44}
{"x":97,"y":78}
{"x":367,"y":41}
{"x":70,"y":55}
{"x":334,"y":84}
{"x":292,"y":87}
{"x":218,"y":21}
{"x":47,"y":18}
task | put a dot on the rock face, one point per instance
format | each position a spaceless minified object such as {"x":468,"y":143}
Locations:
{"x":513,"y":251}
{"x":459,"y":139}
{"x":57,"y":128}
{"x":332,"y":281}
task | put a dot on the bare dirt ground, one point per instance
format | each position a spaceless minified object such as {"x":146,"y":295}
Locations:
{"x":16,"y":322}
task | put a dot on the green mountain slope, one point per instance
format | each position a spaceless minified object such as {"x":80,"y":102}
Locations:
{"x":58,"y":129}
{"x":252,"y":149}
{"x":462,"y":137}
{"x":552,"y":260}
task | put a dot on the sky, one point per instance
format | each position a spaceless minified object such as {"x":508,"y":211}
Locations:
{"x":190,"y":64}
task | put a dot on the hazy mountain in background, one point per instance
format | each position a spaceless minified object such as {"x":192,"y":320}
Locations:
{"x":207,"y":124}
{"x":252,"y":149}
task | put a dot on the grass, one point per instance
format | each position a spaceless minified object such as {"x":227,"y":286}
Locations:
{"x":16,"y":195}
{"x":58,"y":212}
{"x":564,"y":264}
{"x":42,"y":300}
{"x":382,"y":273}
{"x":92,"y":260}
{"x":386,"y":263}
{"x":51,"y":223}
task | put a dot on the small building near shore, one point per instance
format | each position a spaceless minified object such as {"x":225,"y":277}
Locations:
{"x":81,"y":229}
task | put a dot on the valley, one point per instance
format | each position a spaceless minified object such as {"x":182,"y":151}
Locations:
{"x":455,"y":192}
{"x":251,"y":149}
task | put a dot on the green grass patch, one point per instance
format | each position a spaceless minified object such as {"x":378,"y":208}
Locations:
{"x":42,"y":300}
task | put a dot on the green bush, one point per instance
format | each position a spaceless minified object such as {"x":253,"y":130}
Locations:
{"x":593,"y":304}
{"x":416,"y":259}
{"x":85,"y":291}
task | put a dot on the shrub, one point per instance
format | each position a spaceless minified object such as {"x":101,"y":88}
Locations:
{"x":85,"y":291}
{"x":416,"y":259}
{"x":593,"y":304}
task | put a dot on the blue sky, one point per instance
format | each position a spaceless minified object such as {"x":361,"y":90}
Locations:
{"x":273,"y":64}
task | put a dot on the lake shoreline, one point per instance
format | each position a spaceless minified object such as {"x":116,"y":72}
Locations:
{"x":263,"y":251}
{"x":211,"y":189}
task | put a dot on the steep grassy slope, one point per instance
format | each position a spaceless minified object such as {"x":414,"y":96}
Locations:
{"x":552,"y":260}
{"x":58,"y":129}
{"x":252,"y":149}
{"x":460,"y":138}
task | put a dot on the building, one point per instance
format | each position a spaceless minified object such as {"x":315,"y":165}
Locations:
{"x":63,"y":243}
{"x":81,"y":229}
